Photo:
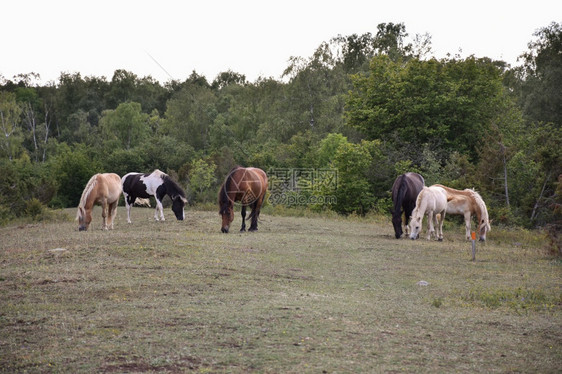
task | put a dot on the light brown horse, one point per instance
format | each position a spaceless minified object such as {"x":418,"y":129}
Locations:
{"x":102,"y":189}
{"x":468,"y":203}
{"x":248,"y":186}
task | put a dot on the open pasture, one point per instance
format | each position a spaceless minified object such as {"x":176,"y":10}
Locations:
{"x":301,"y":295}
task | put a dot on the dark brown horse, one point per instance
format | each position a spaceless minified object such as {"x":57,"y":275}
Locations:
{"x":247,"y":186}
{"x":405,"y":191}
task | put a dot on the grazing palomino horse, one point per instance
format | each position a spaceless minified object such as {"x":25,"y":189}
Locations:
{"x":433,"y":202}
{"x":405,"y":191}
{"x":468,"y":203}
{"x":248,"y":186}
{"x":105,"y":190}
{"x":137,"y":186}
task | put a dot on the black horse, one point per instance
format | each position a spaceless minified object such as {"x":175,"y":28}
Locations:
{"x":157,"y":184}
{"x":405,"y":190}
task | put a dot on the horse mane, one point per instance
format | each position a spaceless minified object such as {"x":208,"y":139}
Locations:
{"x":86,"y":193}
{"x":172,"y":187}
{"x":224,"y":200}
{"x":418,"y":200}
{"x":482,"y":206}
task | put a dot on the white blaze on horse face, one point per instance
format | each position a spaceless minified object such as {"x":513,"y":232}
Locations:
{"x":415,"y":227}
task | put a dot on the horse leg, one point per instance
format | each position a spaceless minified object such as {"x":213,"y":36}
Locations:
{"x":159,"y":208}
{"x":430,"y":228}
{"x":112,"y":211}
{"x":243,"y":213}
{"x":440,"y":218}
{"x":467,"y":224}
{"x":406,"y":221}
{"x":104,"y":210}
{"x":128,"y":206}
{"x":256,"y":207}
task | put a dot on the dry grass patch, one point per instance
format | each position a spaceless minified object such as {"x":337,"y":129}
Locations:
{"x":304,"y":294}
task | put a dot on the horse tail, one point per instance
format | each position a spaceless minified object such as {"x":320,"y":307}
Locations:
{"x":251,"y":215}
{"x":254,"y":209}
{"x":400,"y":197}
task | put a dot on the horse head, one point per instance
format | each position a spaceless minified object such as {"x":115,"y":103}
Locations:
{"x":178,"y":204}
{"x":415,"y":226}
{"x":226,"y":204}
{"x":84,"y":218}
{"x":227,"y":213}
{"x":483,"y":229}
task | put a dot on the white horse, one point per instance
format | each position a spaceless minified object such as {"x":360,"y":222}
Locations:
{"x":433,"y":202}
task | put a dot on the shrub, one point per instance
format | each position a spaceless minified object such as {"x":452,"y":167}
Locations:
{"x":34,"y":209}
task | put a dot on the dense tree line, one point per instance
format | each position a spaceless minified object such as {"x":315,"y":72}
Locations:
{"x":370,"y":106}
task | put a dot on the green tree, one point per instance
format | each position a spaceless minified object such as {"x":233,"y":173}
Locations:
{"x":542,"y":76}
{"x":190,"y":114}
{"x":328,"y":147}
{"x":127,"y":124}
{"x":546,"y":152}
{"x":354,"y":193}
{"x":201,"y":175}
{"x":314,"y":98}
{"x":10,"y":138}
{"x":71,"y":169}
{"x":76,"y":94}
{"x":227,"y":78}
{"x":447,"y":104}
{"x":390,"y":40}
{"x":123,"y":161}
{"x":22,"y":181}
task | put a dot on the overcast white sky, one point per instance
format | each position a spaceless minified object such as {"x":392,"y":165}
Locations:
{"x":251,"y":37}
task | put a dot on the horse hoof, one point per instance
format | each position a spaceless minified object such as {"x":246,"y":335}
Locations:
{"x":242,"y":230}
{"x":440,"y":239}
{"x":224,"y":231}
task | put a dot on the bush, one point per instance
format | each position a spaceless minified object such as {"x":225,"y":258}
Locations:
{"x":6,"y":215}
{"x":34,"y":209}
{"x":72,"y":169}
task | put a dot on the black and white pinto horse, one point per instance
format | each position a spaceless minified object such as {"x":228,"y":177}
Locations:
{"x":157,"y":184}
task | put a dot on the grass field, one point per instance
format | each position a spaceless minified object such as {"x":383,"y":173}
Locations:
{"x":304,"y":294}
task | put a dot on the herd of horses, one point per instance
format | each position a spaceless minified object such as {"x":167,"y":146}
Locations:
{"x":413,"y":200}
{"x":248,"y":186}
